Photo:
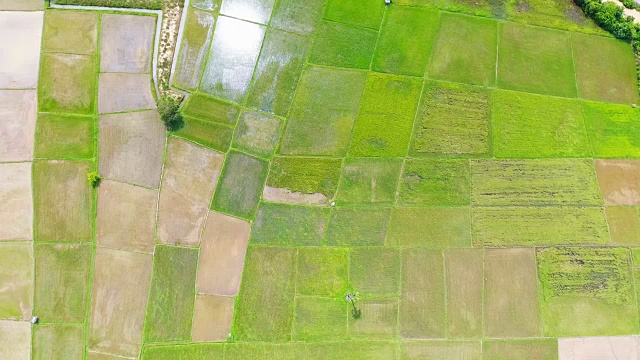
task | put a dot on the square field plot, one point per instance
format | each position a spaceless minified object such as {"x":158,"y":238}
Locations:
{"x":124,"y":92}
{"x":15,"y":340}
{"x":17,"y":124}
{"x":63,"y":200}
{"x":289,"y":225}
{"x":210,"y":109}
{"x":24,"y":5}
{"x":624,"y":225}
{"x":62,"y":282}
{"x":22,"y":36}
{"x":212,"y":135}
{"x":405,"y":42}
{"x":369,"y":181}
{"x":116,"y":227}
{"x":418,"y":350}
{"x":378,"y":320}
{"x":380,"y":129}
{"x":257,"y":11}
{"x":323,"y":112}
{"x":587,"y":291}
{"x":196,"y":351}
{"x":131,"y":147}
{"x":533,"y":126}
{"x":126,"y":43}
{"x":67,"y":84}
{"x":535,"y":349}
{"x":257,"y":134}
{"x":605,"y":69}
{"x":465,"y":50}
{"x":453,"y":119}
{"x":613,"y":130}
{"x":537,"y":60}
{"x":364,"y":13}
{"x":357,"y":227}
{"x":320,"y":319}
{"x":600,"y":347}
{"x":16,"y":281}
{"x":193,"y":49}
{"x":323,"y":272}
{"x":436,"y":227}
{"x":70,"y":32}
{"x":16,"y":202}
{"x":334,"y":45}
{"x":61,"y":136}
{"x":58,"y":342}
{"x":375,"y":271}
{"x":212,"y":318}
{"x":435,"y":182}
{"x":300,"y":17}
{"x":619,"y":181}
{"x":465,"y":286}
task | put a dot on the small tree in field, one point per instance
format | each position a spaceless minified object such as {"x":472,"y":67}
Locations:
{"x":169,"y":110}
{"x":352,"y":297}
{"x":94,"y":179}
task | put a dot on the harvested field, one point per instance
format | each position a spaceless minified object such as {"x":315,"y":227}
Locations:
{"x":465,"y":285}
{"x":61,"y":136}
{"x":334,"y":46}
{"x":22,"y":37}
{"x":16,"y":202}
{"x":364,"y":13}
{"x":538,"y":349}
{"x":320,"y":319}
{"x":624,"y":225}
{"x":604,"y":347}
{"x":289,"y":225}
{"x":17,"y":124}
{"x":58,"y":342}
{"x":434,"y":227}
{"x":126,"y":43}
{"x":193,"y":49}
{"x":378,"y":320}
{"x":434,"y":182}
{"x":619,"y":181}
{"x":368,"y":181}
{"x":302,"y":180}
{"x":124,"y":92}
{"x":357,"y":226}
{"x":613,"y":130}
{"x":298,"y":17}
{"x":67,"y":84}
{"x":15,"y":340}
{"x":24,"y":5}
{"x":260,"y":10}
{"x":322,"y":272}
{"x":417,"y":350}
{"x":71,"y":32}
{"x":258,"y":134}
{"x":212,"y":318}
{"x":16,"y":282}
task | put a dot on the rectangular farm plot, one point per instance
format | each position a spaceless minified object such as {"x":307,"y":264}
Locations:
{"x":613,"y":130}
{"x":536,"y":226}
{"x":18,"y":112}
{"x":193,"y":49}
{"x":212,"y":317}
{"x":364,"y":13}
{"x":435,"y":227}
{"x":189,"y":179}
{"x":323,"y":112}
{"x":22,"y":36}
{"x":72,"y":32}
{"x":119,"y":92}
{"x":63,"y":200}
{"x":465,"y":50}
{"x":605,"y":69}
{"x":67,"y":84}
{"x":265,"y":305}
{"x":435,"y":182}
{"x":210,"y":109}
{"x":209,"y":134}
{"x":535,"y":349}
{"x":357,"y":227}
{"x":405,"y":42}
{"x":238,"y":192}
{"x":62,"y":282}
{"x":16,"y":202}
{"x":599,"y":347}
{"x":369,"y":181}
{"x":25,"y":5}
{"x":334,"y":45}
{"x":320,"y":319}
{"x":279,"y":68}
{"x":536,"y":182}
{"x":170,"y":308}
{"x":380,"y":129}
{"x":298,"y":180}
{"x":533,"y":126}
{"x":289,"y":225}
{"x":61,"y":136}
{"x":258,"y":134}
{"x":126,"y":43}
{"x":355,"y":350}
{"x":189,"y":351}
{"x":619,"y":181}
{"x":624,"y":224}
{"x":465,"y":286}
{"x":511,"y":294}
{"x":535,"y":59}
{"x":418,"y":350}
{"x":375,"y":272}
{"x":15,"y":340}
{"x":16,"y":281}
{"x":300,"y":17}
{"x":378,"y":320}
{"x":453,"y":119}
{"x":322,"y":272}
{"x":260,"y":10}
{"x":587,"y":291}
{"x":58,"y":342}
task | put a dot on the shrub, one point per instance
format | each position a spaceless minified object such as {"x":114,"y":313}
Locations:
{"x":94,"y":179}
{"x":169,"y":110}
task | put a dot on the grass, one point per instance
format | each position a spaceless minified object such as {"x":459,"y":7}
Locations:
{"x":289,"y":225}
{"x":380,"y":129}
{"x":354,"y":350}
{"x":435,"y":227}
{"x":405,"y":41}
{"x":183,"y":352}
{"x":206,"y":108}
{"x":296,"y":16}
{"x":170,"y":306}
{"x":550,"y":127}
{"x":438,"y":349}
{"x":67,"y":84}
{"x":613,"y":130}
{"x":452,"y":120}
{"x":305,"y":175}
{"x":70,"y":32}
{"x":212,"y":135}
{"x":535,"y":349}
{"x":357,"y":227}
{"x":240,"y":186}
{"x":320,"y":319}
{"x":435,"y":182}
{"x":464,"y":283}
{"x":555,"y":14}
{"x":596,"y":298}
{"x":365,"y":13}
{"x":334,"y":46}
{"x":134,"y":4}
{"x":192,"y":57}
{"x":257,"y":134}
{"x":536,"y":60}
{"x":64,"y":137}
{"x":635,"y":255}
{"x":16,"y":274}
{"x":624,"y":225}
{"x":62,"y":282}
{"x":322,"y":272}
{"x":57,"y":342}
{"x":374,"y":272}
{"x":378,"y":320}
{"x":368,"y":181}
{"x":457,"y":59}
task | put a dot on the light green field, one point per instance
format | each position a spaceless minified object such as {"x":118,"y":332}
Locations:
{"x":334,"y":46}
{"x":613,"y":130}
{"x":65,"y":137}
{"x":357,"y":226}
{"x":289,"y":224}
{"x":305,"y":175}
{"x":369,"y":181}
{"x":68,"y":84}
{"x":434,"y":182}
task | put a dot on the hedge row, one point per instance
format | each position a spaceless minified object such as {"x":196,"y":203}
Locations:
{"x":133,"y":4}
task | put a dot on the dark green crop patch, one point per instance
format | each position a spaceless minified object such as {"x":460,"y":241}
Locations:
{"x":435,"y":182}
{"x":305,"y":175}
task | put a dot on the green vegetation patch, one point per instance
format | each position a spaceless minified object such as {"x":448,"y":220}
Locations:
{"x":323,"y":112}
{"x":375,"y":272}
{"x":16,"y":280}
{"x":58,"y":342}
{"x":587,"y":291}
{"x":282,"y":351}
{"x":406,"y":39}
{"x":369,"y":181}
{"x":532,"y":126}
{"x":534,"y":349}
{"x":257,"y":134}
{"x":465,"y":291}
{"x":381,"y":129}
{"x":320,"y":319}
{"x":610,"y":78}
{"x":554,"y":14}
{"x":453,"y":119}
{"x":436,"y":227}
{"x":457,"y":59}
{"x":290,"y":225}
{"x":435,"y":182}
{"x":62,"y":282}
{"x":241,"y":184}
{"x":211,"y":109}
{"x":635,"y":255}
{"x":170,"y":308}
{"x":343,"y":46}
{"x":264,"y":308}
{"x":365,"y":13}
{"x":300,"y":17}
{"x":357,"y":226}
{"x":212,"y":135}
{"x":535,"y":59}
{"x":194,"y":45}
{"x":64,"y":137}
{"x":536,"y":182}
{"x":438,"y":349}
{"x":183,"y":352}
{"x":378,"y":320}
{"x":624,"y":224}
{"x":322,"y":272}
{"x":70,"y":32}
{"x":353,"y":350}
{"x":537,"y":226}
{"x":614,"y":130}
{"x":67,"y":84}
{"x":134,"y":4}
{"x":305,"y":175}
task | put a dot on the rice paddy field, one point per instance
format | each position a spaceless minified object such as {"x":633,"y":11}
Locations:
{"x":446,"y":180}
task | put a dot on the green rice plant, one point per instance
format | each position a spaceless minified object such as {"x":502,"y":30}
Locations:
{"x":212,"y":135}
{"x":320,"y":319}
{"x":334,"y":45}
{"x":435,"y":227}
{"x":67,"y":84}
{"x":64,"y":137}
{"x":298,"y":17}
{"x":635,"y":255}
{"x":354,"y":350}
{"x":196,"y":38}
{"x":183,"y":352}
{"x":365,"y":13}
{"x":624,"y":224}
{"x":614,"y":130}
{"x":369,"y":181}
{"x":289,"y":225}
{"x":210,"y":109}
{"x":305,"y":175}
{"x":375,"y":272}
{"x":377,"y":319}
{"x":357,"y":227}
{"x":257,"y":134}
{"x":534,"y":349}
{"x":322,"y":272}
{"x":58,"y":342}
{"x":439,"y":349}
{"x":435,"y":182}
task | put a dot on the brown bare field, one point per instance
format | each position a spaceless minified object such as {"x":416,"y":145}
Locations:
{"x":619,"y":181}
{"x":15,"y":340}
{"x":25,"y":5}
{"x":124,"y":92}
{"x":624,"y":225}
{"x":464,"y":279}
{"x":601,"y":348}
{"x":21,"y":37}
{"x":212,"y":317}
{"x":74,"y":32}
{"x":58,"y":342}
{"x":17,"y":124}
{"x":126,"y":42}
{"x":16,"y":202}
{"x":379,"y":320}
{"x":16,"y":281}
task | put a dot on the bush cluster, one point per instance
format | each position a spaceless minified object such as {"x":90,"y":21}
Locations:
{"x":133,"y":4}
{"x":169,"y":110}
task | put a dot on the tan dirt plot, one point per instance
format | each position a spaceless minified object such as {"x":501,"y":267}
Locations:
{"x":511,"y":294}
{"x":119,"y":299}
{"x":21,"y":37}
{"x":132,"y":147}
{"x":599,"y":348}
{"x":212,"y":318}
{"x":619,"y":181}
{"x":126,"y":42}
{"x":281,"y":195}
{"x":24,"y":5}
{"x":17,"y":124}
{"x":222,"y":252}
{"x":15,"y":340}
{"x":73,"y":32}
{"x":624,"y":225}
{"x":16,"y":281}
{"x":93,"y":355}
{"x":16,"y":202}
{"x":190,"y":176}
{"x":124,"y":92}
{"x":464,"y":283}
{"x":126,"y":216}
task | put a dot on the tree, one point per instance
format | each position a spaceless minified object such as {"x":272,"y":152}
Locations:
{"x":169,"y":110}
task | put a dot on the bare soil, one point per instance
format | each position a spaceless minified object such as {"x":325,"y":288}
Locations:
{"x":124,"y":92}
{"x":619,"y":181}
{"x":21,"y":37}
{"x":16,"y":202}
{"x":212,"y":318}
{"x":126,"y":43}
{"x":17,"y":123}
